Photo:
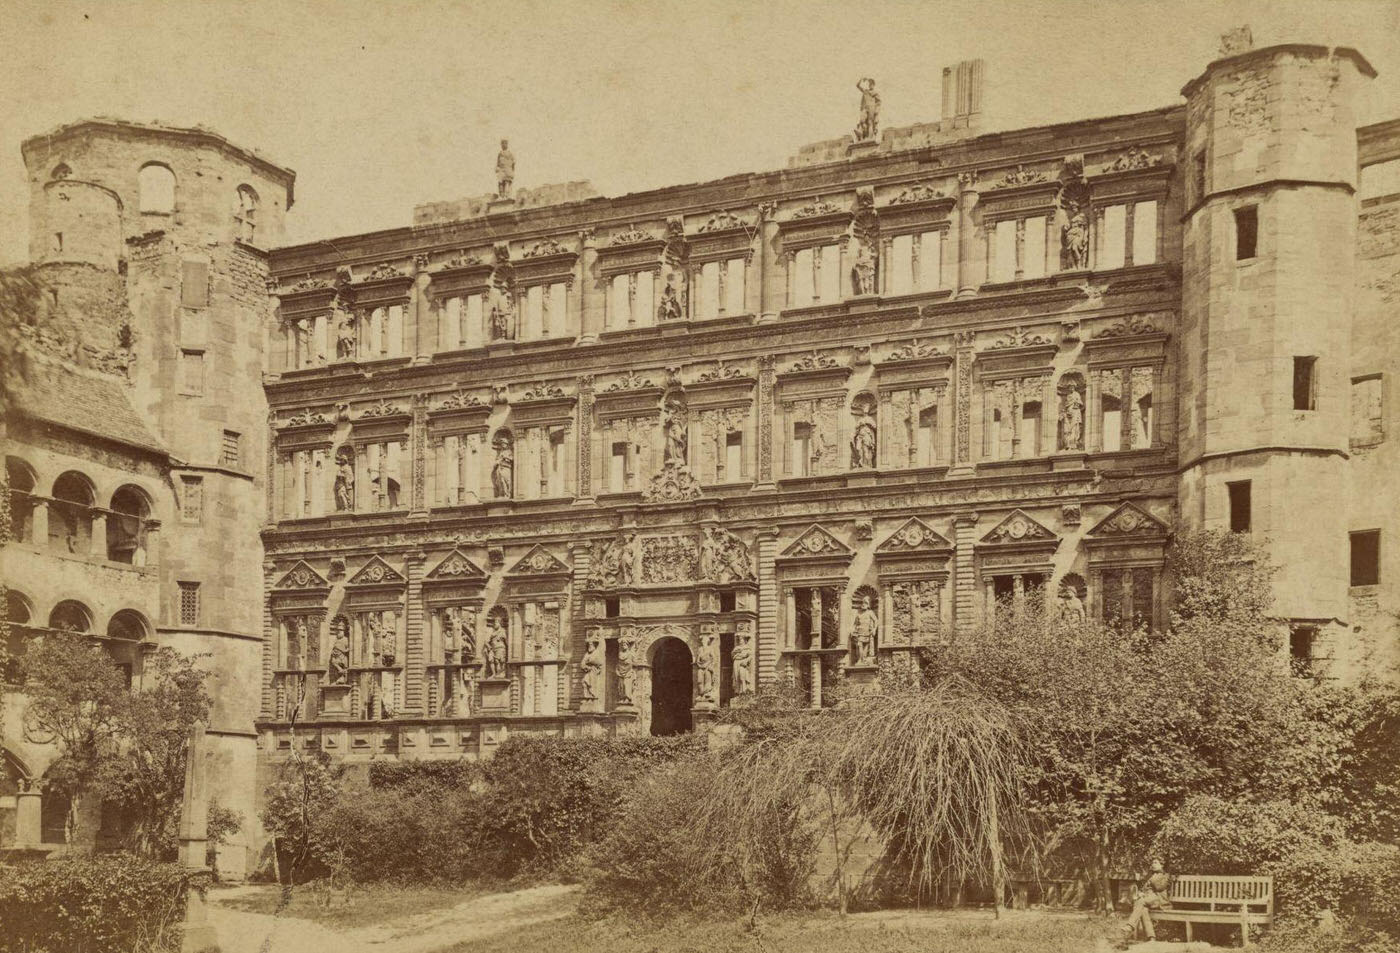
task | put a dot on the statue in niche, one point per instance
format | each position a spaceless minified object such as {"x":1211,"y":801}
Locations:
{"x":1074,"y":243}
{"x":385,"y":649}
{"x":626,"y":670}
{"x":497,"y":644}
{"x":1071,"y":607}
{"x":344,"y":335}
{"x":1073,"y":200}
{"x":502,"y":311}
{"x":705,"y":668}
{"x":865,"y":628}
{"x":670,"y":308}
{"x":503,"y":470}
{"x":344,"y":479}
{"x":674,"y":424}
{"x":592,"y":667}
{"x":863,"y":271}
{"x":339,"y":664}
{"x":869,"y":124}
{"x":505,"y":170}
{"x":1072,"y":415}
{"x":863,"y":446}
{"x":742,"y":657}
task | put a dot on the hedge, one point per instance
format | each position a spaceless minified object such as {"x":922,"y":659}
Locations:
{"x":107,"y":903}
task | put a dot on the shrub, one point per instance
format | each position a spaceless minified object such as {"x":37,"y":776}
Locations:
{"x":413,"y":774}
{"x":303,"y":790}
{"x":116,"y":902}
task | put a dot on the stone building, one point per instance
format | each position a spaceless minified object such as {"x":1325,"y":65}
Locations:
{"x":557,"y":463}
{"x":133,"y":452}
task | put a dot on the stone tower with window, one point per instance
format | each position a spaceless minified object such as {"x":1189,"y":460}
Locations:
{"x":156,"y":238}
{"x":1268,"y":300}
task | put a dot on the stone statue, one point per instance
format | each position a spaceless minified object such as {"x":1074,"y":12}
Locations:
{"x":344,"y":479}
{"x":865,"y":628}
{"x":451,"y":642}
{"x":1071,"y":606}
{"x":296,"y":642}
{"x":863,"y":271}
{"x":502,"y":312}
{"x":705,"y":668}
{"x":869,"y":125}
{"x":1074,"y":242}
{"x":670,"y":308}
{"x":723,"y":556}
{"x":503,"y":470}
{"x":1072,"y":420}
{"x":344,"y":335}
{"x":677,"y":440}
{"x":863,"y":446}
{"x":742,"y":657}
{"x":592,"y":666}
{"x":340,"y":651}
{"x":496,"y":646}
{"x":385,"y":643}
{"x":617,"y":564}
{"x":505,"y":170}
{"x":626,"y":670}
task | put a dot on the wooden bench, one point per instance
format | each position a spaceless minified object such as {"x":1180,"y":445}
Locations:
{"x":1201,"y":898}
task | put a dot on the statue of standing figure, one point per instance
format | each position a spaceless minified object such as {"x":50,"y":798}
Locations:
{"x":863,"y":446}
{"x":344,"y":479}
{"x":742,"y":657}
{"x":705,"y":668}
{"x":677,"y":440}
{"x":865,"y":628}
{"x":344,"y":335}
{"x":1072,"y":420}
{"x":1074,"y":242}
{"x":340,"y":651}
{"x":863,"y":271}
{"x":503,"y":470}
{"x":496,"y":647}
{"x":505,"y":170}
{"x":626,"y":670}
{"x":592,"y":668}
{"x":869,"y":125}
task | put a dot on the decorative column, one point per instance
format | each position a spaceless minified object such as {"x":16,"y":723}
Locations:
{"x":590,"y":301}
{"x":97,"y":545}
{"x":962,"y":390}
{"x":968,"y":279}
{"x":965,"y":597}
{"x":583,"y":441}
{"x":418,"y":448}
{"x":415,"y":637}
{"x":772,"y":284}
{"x":424,"y":334}
{"x":269,"y":642}
{"x":766,"y":382}
{"x":766,"y":646}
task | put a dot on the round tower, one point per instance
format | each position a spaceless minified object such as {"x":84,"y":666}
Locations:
{"x":1269,"y":261}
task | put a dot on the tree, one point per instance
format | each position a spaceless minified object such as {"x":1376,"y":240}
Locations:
{"x":304,"y":789}
{"x":125,"y":748}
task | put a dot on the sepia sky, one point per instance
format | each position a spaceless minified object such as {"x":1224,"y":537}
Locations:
{"x":382,"y":104}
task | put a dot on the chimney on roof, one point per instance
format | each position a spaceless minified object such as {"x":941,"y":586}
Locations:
{"x":962,"y":94}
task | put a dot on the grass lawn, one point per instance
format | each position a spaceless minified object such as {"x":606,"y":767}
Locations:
{"x":816,"y":932}
{"x":359,"y":907}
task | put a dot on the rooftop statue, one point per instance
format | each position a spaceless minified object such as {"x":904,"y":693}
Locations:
{"x":869,"y":125}
{"x":505,"y":169}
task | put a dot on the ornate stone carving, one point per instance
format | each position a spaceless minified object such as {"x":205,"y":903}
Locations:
{"x":1020,"y":176}
{"x":1019,"y":337}
{"x":863,"y":438}
{"x":670,"y":307}
{"x":311,"y":284}
{"x":344,"y":479}
{"x":460,"y":401}
{"x":375,"y":571}
{"x":626,"y":666}
{"x":591,"y":668}
{"x":1128,"y":520}
{"x":544,"y":248}
{"x":454,"y":566}
{"x":306,"y":418}
{"x":1238,"y":40}
{"x":338,"y":663}
{"x":458,"y":637}
{"x":742,"y":658}
{"x":1070,"y":514}
{"x":1073,"y":201}
{"x":722,"y":372}
{"x":705,"y":664}
{"x":539,"y":560}
{"x":1129,"y":326}
{"x":503,"y":469}
{"x":301,"y":576}
{"x":865,"y":227}
{"x":631,"y":380}
{"x":616,"y":564}
{"x":869,"y":124}
{"x":495,"y":651}
{"x":502,"y":315}
{"x":816,"y":542}
{"x":1133,"y":158}
{"x":384,"y":271}
{"x":967,"y":178}
{"x":505,"y":170}
{"x":381,"y":409}
{"x":765,"y":417}
{"x":722,"y":221}
{"x":816,"y":207}
{"x":668,"y":559}
{"x":673,"y":484}
{"x":766,"y":210}
{"x":632,"y":235}
{"x":543,"y":391}
{"x":917,"y":193}
{"x":674,"y":424}
{"x":814,"y":361}
{"x":913,"y":535}
{"x":1018,"y":528}
{"x":1071,"y":424}
{"x":913,"y":351}
{"x":865,"y":625}
{"x":724,"y":557}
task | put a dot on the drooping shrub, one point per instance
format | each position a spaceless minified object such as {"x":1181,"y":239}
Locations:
{"x":108,"y":903}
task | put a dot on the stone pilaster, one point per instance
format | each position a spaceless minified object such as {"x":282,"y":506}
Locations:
{"x":424,"y":334}
{"x":415,"y":637}
{"x":962,"y":390}
{"x":766,"y":388}
{"x":968,"y":279}
{"x":965,"y":595}
{"x":269,"y":647}
{"x":583,"y":492}
{"x":772,"y":280}
{"x":767,"y":640}
{"x":418,"y":443}
{"x":590,"y":301}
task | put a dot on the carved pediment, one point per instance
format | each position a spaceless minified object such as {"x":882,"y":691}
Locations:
{"x":672,"y":484}
{"x":456,"y":567}
{"x":302,"y":576}
{"x":376,"y":572}
{"x":538,"y":562}
{"x":1019,"y":528}
{"x":816,"y":542}
{"x":914,"y":536}
{"x":1128,"y":520}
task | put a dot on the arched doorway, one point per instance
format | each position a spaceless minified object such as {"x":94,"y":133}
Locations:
{"x":670,"y":687}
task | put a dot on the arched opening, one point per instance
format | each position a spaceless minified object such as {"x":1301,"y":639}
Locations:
{"x":71,"y":616}
{"x":70,"y":514}
{"x":245,"y":214}
{"x":54,"y":811}
{"x":126,"y":526}
{"x":20,"y":477}
{"x":14,"y":778}
{"x":19,"y":614}
{"x":671,"y":687}
{"x":125,"y":632}
{"x":157,"y":186}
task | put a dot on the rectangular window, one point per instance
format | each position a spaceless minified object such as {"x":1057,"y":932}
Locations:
{"x":534,"y":312}
{"x":801,"y":449}
{"x":900,"y":279}
{"x":1367,"y":427}
{"x":928,"y":437}
{"x":1301,"y":642}
{"x":1113,"y":238}
{"x":1144,"y":233}
{"x":617,"y":471}
{"x":1366,"y":558}
{"x":1304,"y":383}
{"x":804,"y":288}
{"x":554,"y":485}
{"x":612,"y":607}
{"x":229,"y":455}
{"x":194,"y":284}
{"x":726,"y":602}
{"x":1034,"y":264}
{"x":1004,"y":251}
{"x":556,"y":311}
{"x":191,"y":373}
{"x":643,"y":304}
{"x":1246,"y":232}
{"x":189,"y":603}
{"x":473,"y":321}
{"x":1111,"y":424}
{"x":191,"y":499}
{"x":830,"y":265}
{"x":734,"y":455}
{"x":1030,"y":429}
{"x":709,"y":290}
{"x":1241,"y":518}
{"x":734,"y":286}
{"x":1198,"y":177}
{"x":619,"y":302}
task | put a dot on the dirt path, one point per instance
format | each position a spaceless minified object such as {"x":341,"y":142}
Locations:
{"x":480,"y":917}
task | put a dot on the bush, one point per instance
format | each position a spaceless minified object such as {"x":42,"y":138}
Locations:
{"x":122,"y":903}
{"x":413,"y":774}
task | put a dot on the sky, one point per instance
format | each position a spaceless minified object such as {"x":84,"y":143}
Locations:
{"x":383,"y":104}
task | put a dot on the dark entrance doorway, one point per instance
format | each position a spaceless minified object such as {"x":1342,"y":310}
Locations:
{"x":670,"y":687}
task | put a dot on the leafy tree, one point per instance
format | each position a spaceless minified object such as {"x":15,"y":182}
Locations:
{"x":303,"y":790}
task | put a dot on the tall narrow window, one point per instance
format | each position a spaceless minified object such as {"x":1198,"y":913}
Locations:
{"x":900,"y":275}
{"x":734,"y":455}
{"x":1302,"y":640}
{"x":801,"y":449}
{"x":554,"y":485}
{"x":1366,"y":558}
{"x":156,"y":184}
{"x":928,"y":437}
{"x":1004,"y":251}
{"x":1111,"y":423}
{"x":708,"y":304}
{"x":617,"y":471}
{"x":1304,"y":383}
{"x":246,"y":213}
{"x":191,"y":499}
{"x":1144,"y":233}
{"x":229,"y":455}
{"x":1246,"y":232}
{"x":189,"y":603}
{"x":733,"y":298}
{"x":1198,"y":177}
{"x":191,"y":372}
{"x":1241,"y":517}
{"x":1113,"y":237}
{"x":1367,"y":426}
{"x":804,"y":286}
{"x":1033,"y":258}
{"x":1030,"y":429}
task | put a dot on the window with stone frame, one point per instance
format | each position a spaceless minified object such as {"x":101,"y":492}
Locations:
{"x":460,"y":322}
{"x":544,"y":311}
{"x":631,"y":300}
{"x":1366,"y":557}
{"x":915,"y":263}
{"x":381,"y":332}
{"x":192,"y":372}
{"x":1018,"y":249}
{"x":306,"y":487}
{"x":230,"y":449}
{"x":1014,"y":418}
{"x":1129,"y":597}
{"x":1367,"y":418}
{"x":189,"y":603}
{"x":1302,"y":649}
{"x":245,"y":214}
{"x":720,"y":288}
{"x":191,"y":499}
{"x":816,"y":276}
{"x":1126,"y":414}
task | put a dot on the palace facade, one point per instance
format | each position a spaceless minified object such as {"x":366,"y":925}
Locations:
{"x":550,"y":462}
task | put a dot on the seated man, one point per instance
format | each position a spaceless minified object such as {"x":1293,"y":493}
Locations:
{"x":1154,"y":894}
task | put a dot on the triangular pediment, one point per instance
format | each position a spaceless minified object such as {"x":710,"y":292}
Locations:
{"x":302,"y":576}
{"x":538,"y":562}
{"x":815,"y":542}
{"x":914,"y":536}
{"x":1129,"y":520}
{"x":376,"y":572}
{"x":1019,"y":528}
{"x":457,"y":566}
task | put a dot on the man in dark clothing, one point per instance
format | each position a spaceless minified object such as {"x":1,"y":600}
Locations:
{"x":1154,"y":894}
